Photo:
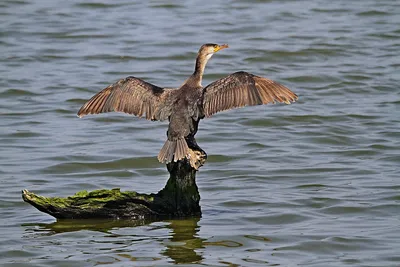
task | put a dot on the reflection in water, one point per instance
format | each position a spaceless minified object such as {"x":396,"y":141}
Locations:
{"x":180,"y":247}
{"x":184,"y":241}
{"x":64,"y":226}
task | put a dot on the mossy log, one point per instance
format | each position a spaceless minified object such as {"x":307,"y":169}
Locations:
{"x":179,"y":198}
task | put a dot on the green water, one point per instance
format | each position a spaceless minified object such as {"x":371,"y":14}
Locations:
{"x":315,"y":183}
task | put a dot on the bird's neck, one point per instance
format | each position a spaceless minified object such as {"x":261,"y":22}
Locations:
{"x":197,"y":76}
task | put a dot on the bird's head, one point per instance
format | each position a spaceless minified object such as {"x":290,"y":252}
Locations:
{"x":207,"y":50}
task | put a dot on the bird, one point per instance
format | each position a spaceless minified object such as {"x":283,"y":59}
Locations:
{"x":185,"y":106}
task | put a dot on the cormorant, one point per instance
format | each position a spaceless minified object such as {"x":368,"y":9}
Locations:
{"x":185,"y":106}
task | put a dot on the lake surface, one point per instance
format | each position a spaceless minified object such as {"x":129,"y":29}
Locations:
{"x":315,"y":183}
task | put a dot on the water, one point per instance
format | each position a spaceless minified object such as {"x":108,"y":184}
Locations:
{"x":315,"y":183}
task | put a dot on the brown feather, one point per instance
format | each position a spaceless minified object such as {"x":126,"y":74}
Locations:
{"x":130,"y":95}
{"x":179,"y":152}
{"x":243,"y":89}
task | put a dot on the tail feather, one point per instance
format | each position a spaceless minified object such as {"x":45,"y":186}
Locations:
{"x":173,"y":150}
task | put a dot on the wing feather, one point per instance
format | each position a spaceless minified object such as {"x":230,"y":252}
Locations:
{"x":132,"y":96}
{"x":243,"y":89}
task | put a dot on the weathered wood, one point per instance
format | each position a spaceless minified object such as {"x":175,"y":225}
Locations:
{"x":180,"y":197}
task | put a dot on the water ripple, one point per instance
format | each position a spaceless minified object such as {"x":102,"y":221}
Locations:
{"x":313,"y":183}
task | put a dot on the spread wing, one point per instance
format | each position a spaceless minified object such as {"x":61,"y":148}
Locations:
{"x":133,"y":96}
{"x":243,"y":89}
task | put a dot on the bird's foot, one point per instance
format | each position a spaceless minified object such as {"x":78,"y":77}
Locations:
{"x":197,"y":158}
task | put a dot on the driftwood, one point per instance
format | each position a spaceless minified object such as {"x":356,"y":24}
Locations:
{"x":179,"y":198}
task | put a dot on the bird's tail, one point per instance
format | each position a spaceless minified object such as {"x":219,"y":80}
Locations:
{"x":173,"y":150}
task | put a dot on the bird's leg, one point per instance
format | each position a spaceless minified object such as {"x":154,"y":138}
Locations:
{"x":191,"y":141}
{"x":197,"y":155}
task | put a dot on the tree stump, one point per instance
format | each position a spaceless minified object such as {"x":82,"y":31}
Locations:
{"x":179,"y":198}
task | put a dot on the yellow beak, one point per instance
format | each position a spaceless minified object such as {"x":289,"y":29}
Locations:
{"x":220,"y":47}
